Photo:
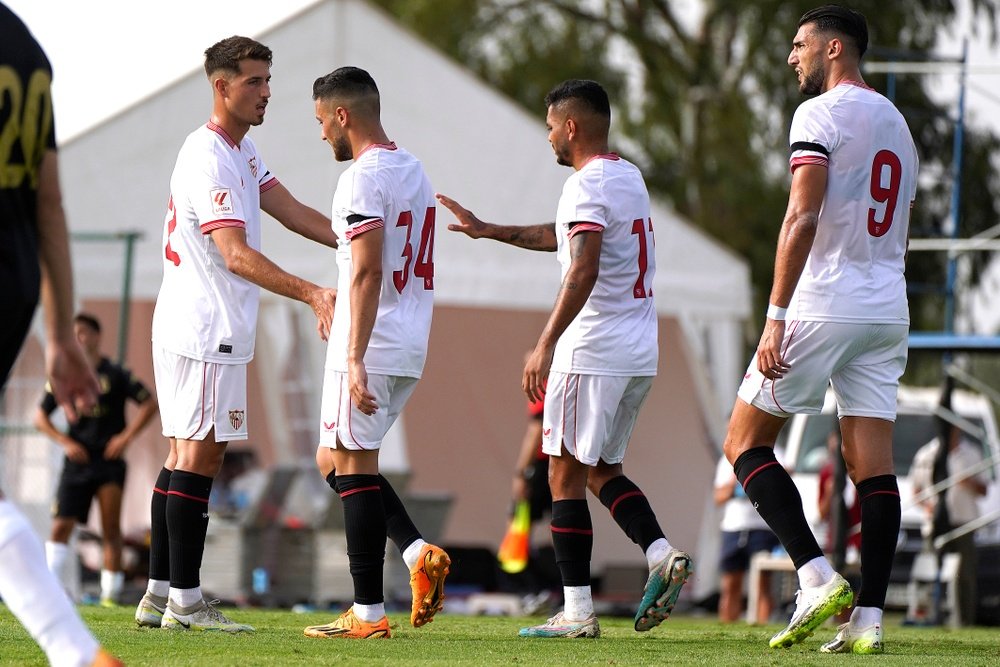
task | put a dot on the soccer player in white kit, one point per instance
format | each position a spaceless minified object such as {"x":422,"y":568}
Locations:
{"x":205,"y":320}
{"x":598,"y":352}
{"x":838,"y":316}
{"x":383,"y":214}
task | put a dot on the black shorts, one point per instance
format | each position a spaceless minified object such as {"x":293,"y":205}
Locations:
{"x":79,"y":483}
{"x":739,"y":546}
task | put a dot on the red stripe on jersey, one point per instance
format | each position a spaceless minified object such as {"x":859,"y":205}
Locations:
{"x":602,"y":156}
{"x":391,"y":146}
{"x":366,"y":227}
{"x":857,"y":84}
{"x":219,"y":224}
{"x":797,"y":162}
{"x":222,"y":133}
{"x":268,"y":185}
{"x":584,"y":227}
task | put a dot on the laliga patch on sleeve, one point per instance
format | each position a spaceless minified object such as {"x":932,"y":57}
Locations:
{"x":222,"y":201}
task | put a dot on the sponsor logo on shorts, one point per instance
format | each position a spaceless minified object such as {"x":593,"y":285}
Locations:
{"x":222,"y":201}
{"x":547,"y":432}
{"x":329,"y":426}
{"x":236,"y":418}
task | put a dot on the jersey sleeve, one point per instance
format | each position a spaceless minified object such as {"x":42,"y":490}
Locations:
{"x":588,"y":211}
{"x":364,"y":211}
{"x":216,"y":196}
{"x":813,"y":136}
{"x":265,"y":179}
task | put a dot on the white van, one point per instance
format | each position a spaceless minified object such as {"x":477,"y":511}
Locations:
{"x":805,"y":441}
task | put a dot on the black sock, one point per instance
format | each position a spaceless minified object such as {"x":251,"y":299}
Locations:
{"x":398,"y":525}
{"x":187,"y":525}
{"x":572,"y":540}
{"x":159,"y":545}
{"x":364,"y":525}
{"x":631,"y":511}
{"x":771,"y":490}
{"x":880,"y":517}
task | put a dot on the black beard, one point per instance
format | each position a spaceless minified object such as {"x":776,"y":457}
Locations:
{"x":812,"y":82}
{"x":342,"y":150}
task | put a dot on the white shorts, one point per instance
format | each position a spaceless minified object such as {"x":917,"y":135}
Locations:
{"x":342,"y":424}
{"x":591,"y":415}
{"x":863,"y":363}
{"x":197,"y":396}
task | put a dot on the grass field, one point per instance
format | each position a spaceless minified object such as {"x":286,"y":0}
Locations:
{"x":464,"y":640}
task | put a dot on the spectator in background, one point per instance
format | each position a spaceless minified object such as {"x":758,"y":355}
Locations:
{"x":849,"y":507}
{"x":94,"y":464}
{"x":531,"y":486}
{"x":744,"y":534}
{"x":961,"y":507}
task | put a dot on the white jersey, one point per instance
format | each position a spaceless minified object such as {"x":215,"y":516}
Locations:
{"x":854,"y":272}
{"x":386,"y":188}
{"x":615,"y":331}
{"x":203,"y":310}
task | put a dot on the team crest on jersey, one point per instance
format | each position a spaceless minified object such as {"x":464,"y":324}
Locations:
{"x":236,"y":418}
{"x":252,"y":163}
{"x":222,"y":201}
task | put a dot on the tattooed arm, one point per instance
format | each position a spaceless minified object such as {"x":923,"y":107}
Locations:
{"x":532,"y":237}
{"x":585,"y":253}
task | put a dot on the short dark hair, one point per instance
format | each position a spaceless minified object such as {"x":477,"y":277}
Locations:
{"x":89,"y":320}
{"x":590,"y":93}
{"x":226,"y":55}
{"x":345,"y":82}
{"x":846,"y":21}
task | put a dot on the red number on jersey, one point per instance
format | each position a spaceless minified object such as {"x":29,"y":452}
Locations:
{"x":400,"y":278}
{"x":639,"y":229}
{"x":171,"y":226}
{"x":884,"y":195}
{"x":424,"y":266}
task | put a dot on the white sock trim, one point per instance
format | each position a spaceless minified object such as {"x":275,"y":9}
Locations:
{"x":579,"y":603}
{"x":411,"y":553}
{"x":369,"y":613}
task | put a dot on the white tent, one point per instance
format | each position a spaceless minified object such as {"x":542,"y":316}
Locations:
{"x":478,"y":147}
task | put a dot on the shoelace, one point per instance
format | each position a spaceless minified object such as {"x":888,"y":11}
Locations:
{"x":214,"y":613}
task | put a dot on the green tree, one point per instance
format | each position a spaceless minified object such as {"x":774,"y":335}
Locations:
{"x":703,"y":100}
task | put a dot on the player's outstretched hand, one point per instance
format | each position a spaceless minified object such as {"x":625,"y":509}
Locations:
{"x":73,"y":382}
{"x":468,"y":223}
{"x":769,"y":360}
{"x":323,"y":302}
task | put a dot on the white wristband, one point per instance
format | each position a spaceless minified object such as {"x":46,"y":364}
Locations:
{"x":776,"y":313}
